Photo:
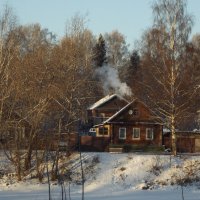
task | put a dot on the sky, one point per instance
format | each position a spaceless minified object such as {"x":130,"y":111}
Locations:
{"x":129,"y":17}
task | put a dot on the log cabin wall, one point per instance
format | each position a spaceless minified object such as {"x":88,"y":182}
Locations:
{"x":142,"y":140}
{"x":139,"y":112}
{"x":106,"y":110}
{"x":136,"y":116}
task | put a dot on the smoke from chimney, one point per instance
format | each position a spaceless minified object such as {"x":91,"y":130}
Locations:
{"x":111,"y":81}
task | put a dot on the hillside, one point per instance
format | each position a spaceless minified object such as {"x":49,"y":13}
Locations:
{"x":118,"y":176}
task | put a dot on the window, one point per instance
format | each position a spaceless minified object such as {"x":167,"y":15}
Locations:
{"x":136,"y":133}
{"x":149,"y":133}
{"x":103,"y":131}
{"x":122,"y":133}
{"x":134,"y":112}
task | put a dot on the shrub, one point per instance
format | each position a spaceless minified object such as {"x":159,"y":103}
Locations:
{"x":127,"y":148}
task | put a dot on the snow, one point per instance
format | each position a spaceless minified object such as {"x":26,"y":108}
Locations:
{"x":117,"y":113}
{"x":104,"y":100}
{"x":101,"y":101}
{"x":119,"y":176}
{"x":163,"y":194}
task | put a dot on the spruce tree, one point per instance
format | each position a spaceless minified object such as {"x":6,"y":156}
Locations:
{"x":99,"y":58}
{"x":134,"y":61}
{"x":130,"y":70}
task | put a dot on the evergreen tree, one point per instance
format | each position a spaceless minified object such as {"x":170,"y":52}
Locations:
{"x":99,"y":58}
{"x":130,"y":70}
{"x":134,"y":61}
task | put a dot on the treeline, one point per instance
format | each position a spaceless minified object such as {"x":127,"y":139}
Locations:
{"x":49,"y":83}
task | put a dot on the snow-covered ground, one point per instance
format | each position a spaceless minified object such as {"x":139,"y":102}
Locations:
{"x":120,"y":177}
{"x":41,"y":193}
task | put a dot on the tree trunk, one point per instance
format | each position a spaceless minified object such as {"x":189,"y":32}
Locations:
{"x":174,"y":149}
{"x":54,"y":172}
{"x":18,"y":165}
{"x":27,"y":163}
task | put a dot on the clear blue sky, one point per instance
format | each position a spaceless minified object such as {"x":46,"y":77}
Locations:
{"x":130,"y":17}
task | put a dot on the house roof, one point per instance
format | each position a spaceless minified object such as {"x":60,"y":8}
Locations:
{"x":124,"y":108}
{"x":104,"y":100}
{"x":117,"y":113}
{"x":196,"y":132}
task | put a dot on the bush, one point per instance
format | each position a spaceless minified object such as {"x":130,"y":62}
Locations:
{"x":127,"y":148}
{"x":95,"y":160}
{"x":137,"y":148}
{"x":156,"y":167}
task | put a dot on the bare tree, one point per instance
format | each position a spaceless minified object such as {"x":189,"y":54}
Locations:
{"x":117,"y":49}
{"x":28,"y":96}
{"x":164,"y":64}
{"x":35,"y":71}
{"x":7,"y":52}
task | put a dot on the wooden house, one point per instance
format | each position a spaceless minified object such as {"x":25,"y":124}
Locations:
{"x":125,"y":123}
{"x":105,"y":108}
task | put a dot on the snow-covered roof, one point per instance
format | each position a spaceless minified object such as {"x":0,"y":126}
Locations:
{"x":166,"y":130}
{"x":117,"y":113}
{"x":195,"y":131}
{"x":124,"y":108}
{"x":104,"y":100}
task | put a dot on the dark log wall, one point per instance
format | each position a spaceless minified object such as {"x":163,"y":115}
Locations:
{"x":142,"y":120}
{"x":142,"y":141}
{"x":109,"y":108}
{"x":143,"y":114}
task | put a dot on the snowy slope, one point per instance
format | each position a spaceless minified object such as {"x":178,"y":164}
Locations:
{"x":120,"y":176}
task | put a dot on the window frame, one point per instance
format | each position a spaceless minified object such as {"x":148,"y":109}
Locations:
{"x":122,"y":138}
{"x":135,"y":138}
{"x":152,"y":132}
{"x":105,"y":131}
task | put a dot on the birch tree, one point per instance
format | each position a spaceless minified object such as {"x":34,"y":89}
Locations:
{"x":164,"y":68}
{"x":117,"y":49}
{"x":29,"y":92}
{"x":8,"y":23}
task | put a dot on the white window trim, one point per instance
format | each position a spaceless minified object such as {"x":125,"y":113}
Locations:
{"x":139,"y":134}
{"x":152,"y":134}
{"x":125,"y":134}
